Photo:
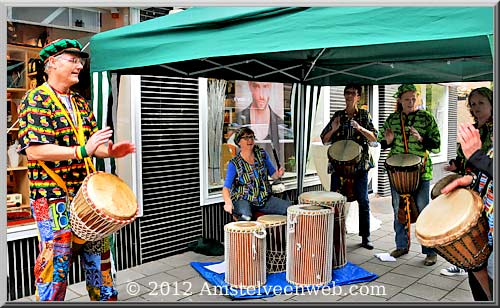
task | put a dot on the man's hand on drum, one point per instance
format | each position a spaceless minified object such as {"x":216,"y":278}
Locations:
{"x":389,"y":135}
{"x":100,"y":137}
{"x":460,"y":182}
{"x":415,"y":134}
{"x":228,"y":207}
{"x":120,"y":149}
{"x":469,"y":139}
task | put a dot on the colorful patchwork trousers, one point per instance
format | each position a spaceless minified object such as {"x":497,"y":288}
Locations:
{"x":55,"y":257}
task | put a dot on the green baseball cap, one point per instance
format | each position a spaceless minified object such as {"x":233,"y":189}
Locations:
{"x":60,"y":46}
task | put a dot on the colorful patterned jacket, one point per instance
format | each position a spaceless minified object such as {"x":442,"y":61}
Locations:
{"x":42,"y":122}
{"x":251,"y":183}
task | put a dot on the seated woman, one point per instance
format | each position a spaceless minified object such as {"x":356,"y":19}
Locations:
{"x":247,"y":188}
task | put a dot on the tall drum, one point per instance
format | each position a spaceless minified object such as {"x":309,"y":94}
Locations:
{"x":103,"y":205}
{"x":455,"y":225}
{"x":245,"y":254}
{"x":309,"y":245}
{"x":337,"y":202}
{"x":275,"y":242}
{"x":345,"y":156}
{"x":404,"y":172}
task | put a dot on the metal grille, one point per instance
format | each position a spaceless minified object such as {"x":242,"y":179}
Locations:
{"x":22,"y":255}
{"x":337,"y":101}
{"x":128,"y":246}
{"x":452,"y":122}
{"x":153,"y":12}
{"x":170,"y":174}
{"x":387,"y":105}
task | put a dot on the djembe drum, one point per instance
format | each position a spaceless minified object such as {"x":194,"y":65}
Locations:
{"x":103,"y":205}
{"x":455,"y":225}
{"x":404,"y":171}
{"x":245,"y":254}
{"x":436,"y":190}
{"x":309,"y":245}
{"x":275,"y":242}
{"x":344,"y":156}
{"x":337,"y":202}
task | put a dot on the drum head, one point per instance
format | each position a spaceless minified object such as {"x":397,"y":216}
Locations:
{"x":111,"y":195}
{"x":436,"y":190}
{"x":447,"y":217}
{"x":403,"y":160}
{"x":325,"y":197}
{"x":244,"y":226}
{"x":344,"y":150}
{"x":272,"y":220}
{"x":308,"y":209}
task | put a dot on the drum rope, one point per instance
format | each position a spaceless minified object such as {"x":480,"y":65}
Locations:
{"x":405,"y":141}
{"x":406,"y":198}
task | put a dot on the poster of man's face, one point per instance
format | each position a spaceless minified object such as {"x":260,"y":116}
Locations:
{"x":255,"y":100}
{"x":259,"y":105}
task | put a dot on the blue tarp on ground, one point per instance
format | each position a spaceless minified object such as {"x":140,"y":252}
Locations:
{"x":277,"y":284}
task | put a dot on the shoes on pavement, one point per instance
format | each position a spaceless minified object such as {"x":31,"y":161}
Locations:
{"x":367,"y":243}
{"x":430,"y":260}
{"x":453,"y":271}
{"x":399,"y":252}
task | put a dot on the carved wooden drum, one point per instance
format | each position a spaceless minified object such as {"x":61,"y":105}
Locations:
{"x":345,"y":156}
{"x":404,"y":171}
{"x":245,"y":254}
{"x":309,"y":245}
{"x":337,"y":202}
{"x":103,"y":205}
{"x":275,"y":242}
{"x":455,"y":225}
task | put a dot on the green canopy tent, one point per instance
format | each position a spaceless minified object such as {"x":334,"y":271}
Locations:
{"x":306,"y":46}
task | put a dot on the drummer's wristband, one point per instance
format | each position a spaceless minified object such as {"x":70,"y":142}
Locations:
{"x":83,"y":151}
{"x":78,"y":155}
{"x":474,"y":179}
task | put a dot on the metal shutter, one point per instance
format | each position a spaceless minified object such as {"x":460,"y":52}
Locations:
{"x":387,"y":105}
{"x":452,"y":121}
{"x":170,"y":173}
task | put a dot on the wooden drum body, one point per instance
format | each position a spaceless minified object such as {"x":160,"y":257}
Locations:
{"x":275,"y":242}
{"x":455,"y":225}
{"x":245,"y":254}
{"x":404,"y":171}
{"x":103,"y":205}
{"x":337,"y":203}
{"x":309,"y":245}
{"x":345,"y":156}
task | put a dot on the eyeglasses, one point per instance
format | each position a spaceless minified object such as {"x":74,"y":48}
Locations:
{"x":73,"y":60}
{"x":248,"y":137}
{"x":353,"y":93}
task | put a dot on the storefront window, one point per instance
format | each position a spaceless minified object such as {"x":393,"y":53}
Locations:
{"x":265,"y":107}
{"x":434,"y":98}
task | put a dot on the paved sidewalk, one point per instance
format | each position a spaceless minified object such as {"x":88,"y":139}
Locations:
{"x":407,"y":280}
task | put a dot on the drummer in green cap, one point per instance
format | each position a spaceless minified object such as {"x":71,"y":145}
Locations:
{"x":58,"y":133}
{"x":411,"y":130}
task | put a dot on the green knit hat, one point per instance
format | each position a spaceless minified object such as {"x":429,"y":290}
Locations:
{"x":59,"y":46}
{"x":405,"y":88}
